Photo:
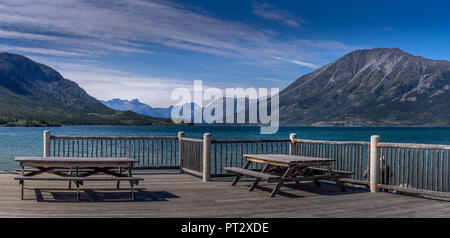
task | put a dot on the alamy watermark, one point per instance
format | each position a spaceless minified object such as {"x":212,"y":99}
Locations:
{"x":237,"y":106}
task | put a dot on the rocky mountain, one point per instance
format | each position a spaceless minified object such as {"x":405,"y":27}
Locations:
{"x":371,"y":87}
{"x":33,"y":94}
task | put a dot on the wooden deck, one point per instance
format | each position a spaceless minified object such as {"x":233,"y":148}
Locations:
{"x":182,"y":195}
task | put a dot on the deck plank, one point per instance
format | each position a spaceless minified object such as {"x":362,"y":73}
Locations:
{"x":182,"y":195}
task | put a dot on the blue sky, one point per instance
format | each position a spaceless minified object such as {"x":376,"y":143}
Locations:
{"x":145,"y":49}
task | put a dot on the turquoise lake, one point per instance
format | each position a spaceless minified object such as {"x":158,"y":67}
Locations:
{"x":26,"y":141}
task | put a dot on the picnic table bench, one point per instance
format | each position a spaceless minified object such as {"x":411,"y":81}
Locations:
{"x":79,"y":170}
{"x":281,"y":168}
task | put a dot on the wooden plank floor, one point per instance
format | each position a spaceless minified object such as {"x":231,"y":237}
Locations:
{"x":182,"y":195}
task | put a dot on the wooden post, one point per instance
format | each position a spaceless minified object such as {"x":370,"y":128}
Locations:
{"x":180,"y":136}
{"x":292,"y":149}
{"x":46,"y":143}
{"x":374,"y":161}
{"x":206,"y":157}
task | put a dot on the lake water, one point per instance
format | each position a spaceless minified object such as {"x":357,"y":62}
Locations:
{"x":15,"y":141}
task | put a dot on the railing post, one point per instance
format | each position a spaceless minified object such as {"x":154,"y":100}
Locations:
{"x":180,"y":150}
{"x":206,"y":157}
{"x":46,"y":143}
{"x":374,"y":161}
{"x":292,"y":148}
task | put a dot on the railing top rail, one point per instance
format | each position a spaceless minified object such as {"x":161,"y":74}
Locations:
{"x":384,"y":145}
{"x":414,"y":146}
{"x":248,"y":141}
{"x":113,"y":138}
{"x":332,"y":142}
{"x":192,"y":139}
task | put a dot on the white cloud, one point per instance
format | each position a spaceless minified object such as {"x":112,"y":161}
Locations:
{"x":268,"y":11}
{"x":107,"y":84}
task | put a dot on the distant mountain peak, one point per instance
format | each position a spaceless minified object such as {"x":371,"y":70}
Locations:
{"x":382,"y":50}
{"x":377,"y":53}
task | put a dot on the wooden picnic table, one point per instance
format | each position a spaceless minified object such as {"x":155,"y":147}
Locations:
{"x":281,"y":168}
{"x":77,"y":169}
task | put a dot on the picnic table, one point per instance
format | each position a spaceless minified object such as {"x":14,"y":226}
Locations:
{"x":77,"y":170}
{"x":281,"y":168}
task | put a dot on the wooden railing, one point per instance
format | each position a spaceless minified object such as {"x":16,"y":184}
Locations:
{"x":349,"y":156}
{"x":416,"y":168}
{"x":151,"y":152}
{"x":192,"y":156}
{"x":228,"y":153}
{"x":421,"y":168}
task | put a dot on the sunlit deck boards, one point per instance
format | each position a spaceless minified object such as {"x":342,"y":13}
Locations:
{"x":182,"y":195}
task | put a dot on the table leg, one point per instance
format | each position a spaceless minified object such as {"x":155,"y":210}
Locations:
{"x":279,"y":184}
{"x":236,"y":179}
{"x":336,"y":180}
{"x":130,"y":174}
{"x":307,"y":174}
{"x":132,"y":192}
{"x":317,"y":183}
{"x":257,"y":180}
{"x":120,"y":174}
{"x":78,"y":184}
{"x":22,"y":182}
{"x":70,"y":174}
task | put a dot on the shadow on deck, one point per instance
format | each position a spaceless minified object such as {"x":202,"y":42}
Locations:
{"x":102,"y":195}
{"x":182,"y":195}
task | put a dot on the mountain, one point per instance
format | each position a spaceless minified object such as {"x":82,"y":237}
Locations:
{"x":33,"y":94}
{"x":238,"y":103}
{"x":379,"y":86}
{"x":136,"y":106}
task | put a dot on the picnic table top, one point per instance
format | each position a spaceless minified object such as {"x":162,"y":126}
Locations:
{"x":287,"y":159}
{"x":102,"y":160}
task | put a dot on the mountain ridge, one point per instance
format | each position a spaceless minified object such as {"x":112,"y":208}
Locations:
{"x":33,"y":94}
{"x":136,"y":106}
{"x":371,"y":87}
{"x":380,"y":86}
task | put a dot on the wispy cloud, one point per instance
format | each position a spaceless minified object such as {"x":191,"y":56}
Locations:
{"x":330,"y":45}
{"x":103,"y":27}
{"x":130,"y":26}
{"x":89,"y":29}
{"x":386,"y":28}
{"x":306,"y":64}
{"x":107,"y":83}
{"x":43,"y":51}
{"x":270,"y":12}
{"x":272,"y":79}
{"x":298,"y":62}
